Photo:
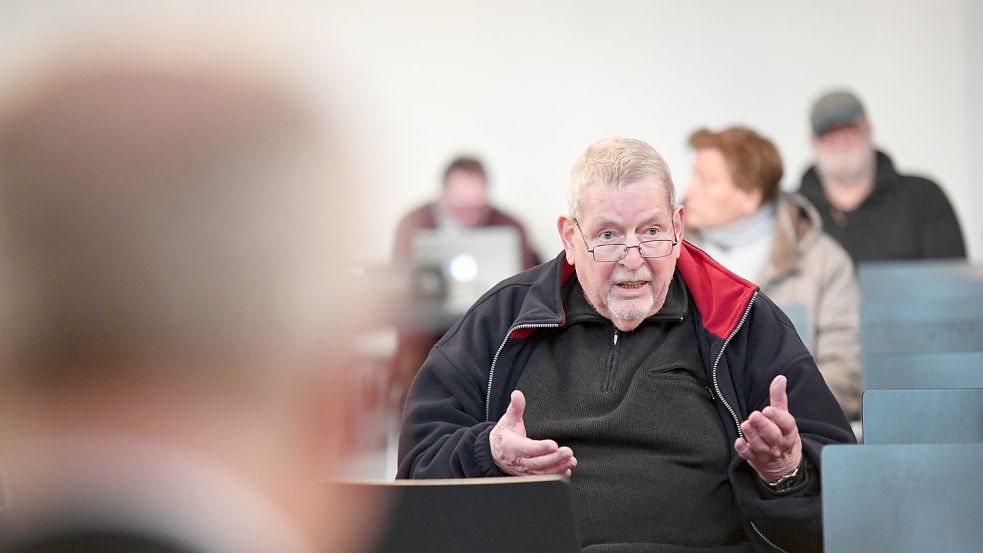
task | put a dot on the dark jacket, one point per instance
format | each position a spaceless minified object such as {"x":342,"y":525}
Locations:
{"x":905,"y":217}
{"x":745,"y":341}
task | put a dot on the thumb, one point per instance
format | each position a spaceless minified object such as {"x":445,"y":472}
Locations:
{"x":779,"y":398}
{"x":517,"y":406}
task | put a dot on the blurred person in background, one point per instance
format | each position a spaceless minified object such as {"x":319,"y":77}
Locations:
{"x":172,"y":364}
{"x":737,"y":213}
{"x":872,"y":210}
{"x":463,"y":203}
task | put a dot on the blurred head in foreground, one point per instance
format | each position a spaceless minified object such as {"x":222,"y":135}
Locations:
{"x":170,"y":369}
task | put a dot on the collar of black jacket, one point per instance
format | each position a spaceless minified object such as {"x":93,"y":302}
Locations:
{"x":720,"y":296}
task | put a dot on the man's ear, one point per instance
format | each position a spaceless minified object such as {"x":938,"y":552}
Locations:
{"x":566,"y":229}
{"x":677,"y":221}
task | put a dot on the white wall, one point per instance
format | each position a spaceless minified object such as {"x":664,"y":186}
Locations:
{"x":973,"y":186}
{"x":528,"y":85}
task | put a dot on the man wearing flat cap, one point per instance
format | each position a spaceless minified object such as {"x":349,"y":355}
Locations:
{"x":873,"y":211}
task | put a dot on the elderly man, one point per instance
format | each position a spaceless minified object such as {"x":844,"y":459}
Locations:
{"x":866,"y":205}
{"x":676,"y":396}
{"x":170,"y":371}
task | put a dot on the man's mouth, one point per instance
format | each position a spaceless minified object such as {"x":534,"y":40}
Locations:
{"x":632,"y":284}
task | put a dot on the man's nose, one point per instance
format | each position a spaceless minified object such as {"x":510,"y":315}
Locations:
{"x":633,"y":257}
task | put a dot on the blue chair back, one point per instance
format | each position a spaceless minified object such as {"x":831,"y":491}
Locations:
{"x":902,"y":498}
{"x":923,"y":416}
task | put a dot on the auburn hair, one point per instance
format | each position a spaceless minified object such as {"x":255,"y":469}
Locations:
{"x":753,"y":161}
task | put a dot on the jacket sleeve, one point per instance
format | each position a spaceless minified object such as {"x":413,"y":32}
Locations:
{"x":837,"y":328}
{"x":444,"y":434}
{"x":772,"y":347}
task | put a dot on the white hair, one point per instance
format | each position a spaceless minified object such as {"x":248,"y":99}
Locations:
{"x":615,"y":162}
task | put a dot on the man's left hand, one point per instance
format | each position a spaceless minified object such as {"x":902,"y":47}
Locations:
{"x":771,"y":443}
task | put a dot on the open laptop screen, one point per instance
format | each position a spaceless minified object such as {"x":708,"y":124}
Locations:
{"x":471,"y":260}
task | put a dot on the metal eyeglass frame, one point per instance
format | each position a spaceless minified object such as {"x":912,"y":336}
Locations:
{"x":626,"y":247}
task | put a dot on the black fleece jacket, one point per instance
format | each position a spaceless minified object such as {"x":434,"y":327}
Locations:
{"x":463,"y":387}
{"x":905,"y":217}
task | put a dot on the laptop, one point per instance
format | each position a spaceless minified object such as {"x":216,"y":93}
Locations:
{"x":531,"y":514}
{"x":471,"y":261}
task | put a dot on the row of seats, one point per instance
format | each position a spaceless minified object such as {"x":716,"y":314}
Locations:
{"x":914,"y":483}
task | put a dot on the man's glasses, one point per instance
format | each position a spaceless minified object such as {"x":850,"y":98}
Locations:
{"x":610,"y":253}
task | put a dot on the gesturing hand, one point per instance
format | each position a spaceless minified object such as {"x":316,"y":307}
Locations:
{"x":771,"y":443}
{"x":518,"y":455}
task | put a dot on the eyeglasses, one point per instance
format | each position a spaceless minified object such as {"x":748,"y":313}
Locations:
{"x":610,"y":253}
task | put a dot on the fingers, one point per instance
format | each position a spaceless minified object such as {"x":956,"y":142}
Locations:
{"x":770,"y":442}
{"x":767,"y":438}
{"x":516,"y":454}
{"x":743,"y":449}
{"x":561,"y":469}
{"x":517,"y":446}
{"x":784,"y":420}
{"x":777,"y":393}
{"x":557,"y":462}
{"x":522,"y":456}
{"x":765,"y":430}
{"x":770,"y":452}
{"x":517,"y":407}
{"x":752,"y":436}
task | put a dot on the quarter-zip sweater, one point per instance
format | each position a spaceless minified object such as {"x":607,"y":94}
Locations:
{"x":637,"y":411}
{"x":745,"y":341}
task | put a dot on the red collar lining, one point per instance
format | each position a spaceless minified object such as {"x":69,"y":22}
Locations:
{"x":720,"y":296}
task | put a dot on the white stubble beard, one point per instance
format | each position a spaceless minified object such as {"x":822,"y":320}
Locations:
{"x":631,"y":309}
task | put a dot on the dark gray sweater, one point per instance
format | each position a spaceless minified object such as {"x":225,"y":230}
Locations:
{"x":637,"y":412}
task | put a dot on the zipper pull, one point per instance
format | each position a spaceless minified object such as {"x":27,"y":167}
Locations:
{"x":712,"y":397}
{"x":615,"y":337}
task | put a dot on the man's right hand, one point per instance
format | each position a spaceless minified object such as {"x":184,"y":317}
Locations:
{"x":518,"y":455}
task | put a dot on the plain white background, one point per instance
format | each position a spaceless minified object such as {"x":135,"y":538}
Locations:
{"x":527,"y":86}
